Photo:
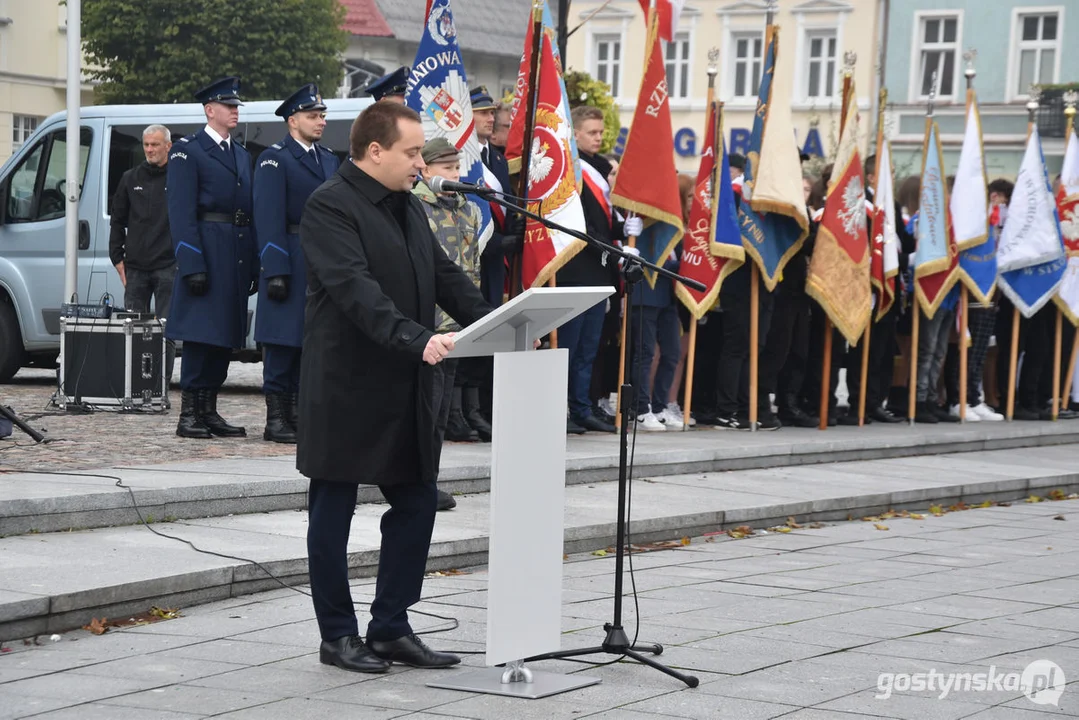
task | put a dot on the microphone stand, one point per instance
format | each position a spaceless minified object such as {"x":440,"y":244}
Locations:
{"x":616,"y":641}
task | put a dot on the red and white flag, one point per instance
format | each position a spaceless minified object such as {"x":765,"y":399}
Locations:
{"x":668,"y":12}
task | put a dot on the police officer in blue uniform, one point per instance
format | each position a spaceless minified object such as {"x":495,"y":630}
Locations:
{"x":209,"y":199}
{"x":285,"y":175}
{"x":390,"y":87}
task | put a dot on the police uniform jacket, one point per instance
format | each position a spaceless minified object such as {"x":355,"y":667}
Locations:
{"x":285,"y":176}
{"x":493,"y":264}
{"x":203,"y":178}
{"x":371,"y":294}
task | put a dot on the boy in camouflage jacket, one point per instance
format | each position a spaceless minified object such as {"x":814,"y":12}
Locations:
{"x":455,"y":221}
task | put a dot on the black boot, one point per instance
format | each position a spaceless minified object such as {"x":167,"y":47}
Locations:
{"x":457,"y":428}
{"x":278,"y":429}
{"x":207,"y":407}
{"x":792,"y":414}
{"x":471,"y":406}
{"x":292,"y":416}
{"x":190,"y":425}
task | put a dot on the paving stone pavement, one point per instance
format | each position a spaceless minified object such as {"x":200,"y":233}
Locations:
{"x":830,"y":623}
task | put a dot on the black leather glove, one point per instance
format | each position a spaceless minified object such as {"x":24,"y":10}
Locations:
{"x":198,"y":284}
{"x":510,"y":243}
{"x":277,"y":288}
{"x":515,"y":224}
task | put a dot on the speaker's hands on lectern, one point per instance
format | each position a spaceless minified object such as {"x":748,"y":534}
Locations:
{"x":438,"y":347}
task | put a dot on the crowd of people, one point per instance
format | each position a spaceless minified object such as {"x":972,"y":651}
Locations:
{"x":363,"y":272}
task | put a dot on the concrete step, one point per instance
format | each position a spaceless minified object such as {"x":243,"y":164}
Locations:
{"x":54,"y":501}
{"x":56,"y":581}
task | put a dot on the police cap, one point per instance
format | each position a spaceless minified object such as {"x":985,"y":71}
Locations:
{"x":481,"y":99}
{"x":225,"y":91}
{"x":395,"y":83}
{"x":305,"y":99}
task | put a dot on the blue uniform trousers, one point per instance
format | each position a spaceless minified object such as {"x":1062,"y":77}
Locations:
{"x":280,"y":369}
{"x":204,"y":366}
{"x":406,"y":538}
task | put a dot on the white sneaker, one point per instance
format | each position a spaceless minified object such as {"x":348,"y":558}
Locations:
{"x":606,"y":406}
{"x":985,"y":412}
{"x":677,"y":410}
{"x":671,"y":420}
{"x":971,"y":416}
{"x":650,"y":422}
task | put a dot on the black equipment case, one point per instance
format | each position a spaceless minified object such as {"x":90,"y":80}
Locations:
{"x":118,"y":361}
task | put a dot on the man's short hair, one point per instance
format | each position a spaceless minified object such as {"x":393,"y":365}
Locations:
{"x":870,"y":165}
{"x":581,"y":113}
{"x":736,"y":160}
{"x":151,"y":129}
{"x":1002,"y":186}
{"x":378,"y":123}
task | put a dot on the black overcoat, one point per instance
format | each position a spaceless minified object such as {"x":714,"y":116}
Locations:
{"x":365,"y":406}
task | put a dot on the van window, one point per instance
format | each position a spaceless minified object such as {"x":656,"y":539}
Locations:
{"x":261,"y":135}
{"x":125,"y":151}
{"x":37,"y":188}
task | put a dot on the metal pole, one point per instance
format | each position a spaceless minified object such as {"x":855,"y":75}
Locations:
{"x":563,"y":28}
{"x":74,"y":86}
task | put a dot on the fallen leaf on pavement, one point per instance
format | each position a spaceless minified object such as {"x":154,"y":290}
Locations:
{"x":880,"y":526}
{"x":685,"y":541}
{"x":740,"y":532}
{"x":916,"y":516}
{"x":97,"y":627}
{"x":599,"y":553}
{"x":1057,"y":494}
{"x":1060,"y":517}
{"x":1033,"y":499}
{"x":936,"y":510}
{"x":792,"y":523}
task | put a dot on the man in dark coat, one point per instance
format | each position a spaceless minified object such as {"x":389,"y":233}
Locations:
{"x":287,"y":173}
{"x":374,"y":275}
{"x":209,"y":198}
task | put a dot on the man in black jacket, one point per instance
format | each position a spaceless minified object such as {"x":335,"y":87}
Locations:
{"x":375,"y":272}
{"x":140,"y":245}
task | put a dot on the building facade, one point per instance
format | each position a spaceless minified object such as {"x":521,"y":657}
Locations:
{"x":813,"y":36}
{"x":1018,"y":42}
{"x":33,"y":68}
{"x":386,"y":33}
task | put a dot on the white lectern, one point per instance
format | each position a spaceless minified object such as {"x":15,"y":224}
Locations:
{"x":528,"y":481}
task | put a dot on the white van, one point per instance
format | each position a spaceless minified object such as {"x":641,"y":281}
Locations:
{"x":32,"y":211}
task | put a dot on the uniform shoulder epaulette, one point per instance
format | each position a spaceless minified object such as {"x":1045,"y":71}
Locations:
{"x":276,"y":146}
{"x":186,"y":139}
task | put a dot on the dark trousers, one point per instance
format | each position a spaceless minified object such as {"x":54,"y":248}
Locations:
{"x":1037,"y":370}
{"x":141,"y":286}
{"x":789,"y":317}
{"x":580,"y":336}
{"x":811,"y":387}
{"x":442,"y":391}
{"x":406,"y":538}
{"x":493,"y":274}
{"x":791,"y":377}
{"x":204,"y":366}
{"x":605,"y":366}
{"x":280,"y":369}
{"x":654,"y":328}
{"x":882,"y":349}
{"x":709,"y":344}
{"x":732,"y":371}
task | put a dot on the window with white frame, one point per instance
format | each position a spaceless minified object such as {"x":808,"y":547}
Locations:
{"x":748,"y":51}
{"x":22,"y":127}
{"x":607,"y":54}
{"x":1038,"y":44}
{"x":676,"y":55}
{"x":820,"y":64}
{"x":938,"y":50}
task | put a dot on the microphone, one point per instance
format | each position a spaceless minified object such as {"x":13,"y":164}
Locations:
{"x":442,"y":185}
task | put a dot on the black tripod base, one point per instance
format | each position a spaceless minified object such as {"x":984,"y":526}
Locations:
{"x":21,"y":424}
{"x":617,"y":643}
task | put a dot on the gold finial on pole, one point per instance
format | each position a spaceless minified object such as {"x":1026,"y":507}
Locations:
{"x":1071,"y":97}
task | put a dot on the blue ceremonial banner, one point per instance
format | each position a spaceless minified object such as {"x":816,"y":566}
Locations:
{"x":438,"y":91}
{"x":773,"y":212}
{"x":1031,"y":252}
{"x":978,"y":267}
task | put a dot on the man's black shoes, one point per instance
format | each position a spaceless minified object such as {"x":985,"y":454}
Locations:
{"x":883,"y":415}
{"x":410,"y":650}
{"x":591,"y":422}
{"x":349,"y":653}
{"x":445,"y":501}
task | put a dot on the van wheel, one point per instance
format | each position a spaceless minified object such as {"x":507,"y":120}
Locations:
{"x":11,"y":347}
